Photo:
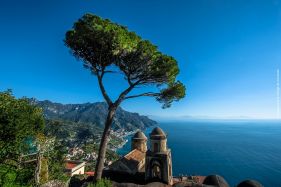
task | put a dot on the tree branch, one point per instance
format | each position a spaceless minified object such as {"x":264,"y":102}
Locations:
{"x":109,"y":71}
{"x":103,"y":91}
{"x":151,"y":94}
{"x":125,"y":92}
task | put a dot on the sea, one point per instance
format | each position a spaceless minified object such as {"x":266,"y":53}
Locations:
{"x":235,"y":149}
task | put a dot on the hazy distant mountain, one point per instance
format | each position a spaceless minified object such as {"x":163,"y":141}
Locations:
{"x":93,"y":113}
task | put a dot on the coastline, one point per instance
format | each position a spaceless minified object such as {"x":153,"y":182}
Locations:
{"x":124,"y":148}
{"x":124,"y":137}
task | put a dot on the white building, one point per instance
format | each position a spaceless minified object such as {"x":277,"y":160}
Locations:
{"x":74,"y":167}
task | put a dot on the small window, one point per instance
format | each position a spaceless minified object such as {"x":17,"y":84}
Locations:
{"x":156,"y":149}
{"x":156,"y":172}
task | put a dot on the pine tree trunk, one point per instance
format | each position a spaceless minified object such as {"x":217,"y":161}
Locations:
{"x":104,"y":142}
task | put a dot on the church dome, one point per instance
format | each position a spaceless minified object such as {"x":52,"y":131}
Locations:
{"x":215,"y":180}
{"x":139,"y":135}
{"x":157,"y":132}
{"x":250,"y":183}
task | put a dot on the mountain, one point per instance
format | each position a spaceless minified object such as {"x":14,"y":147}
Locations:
{"x":93,"y":113}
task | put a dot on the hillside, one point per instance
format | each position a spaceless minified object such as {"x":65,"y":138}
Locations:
{"x":93,"y":114}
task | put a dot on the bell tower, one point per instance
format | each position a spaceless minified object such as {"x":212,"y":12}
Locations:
{"x":158,"y":161}
{"x":139,"y":142}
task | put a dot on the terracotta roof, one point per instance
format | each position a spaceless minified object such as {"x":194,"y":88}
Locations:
{"x":135,"y":155}
{"x":131,"y":163}
{"x":70,"y":165}
{"x":90,"y":173}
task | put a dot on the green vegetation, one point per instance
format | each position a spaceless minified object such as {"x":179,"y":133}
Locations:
{"x":56,"y":162}
{"x":21,"y":133}
{"x":70,"y":133}
{"x":10,"y":177}
{"x":91,"y":115}
{"x":106,"y":47}
{"x":101,"y":183}
{"x":18,"y":121}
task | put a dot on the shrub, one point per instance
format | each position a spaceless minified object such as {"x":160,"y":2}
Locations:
{"x":101,"y":183}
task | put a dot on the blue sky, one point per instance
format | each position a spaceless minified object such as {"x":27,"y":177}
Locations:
{"x":228,"y":52}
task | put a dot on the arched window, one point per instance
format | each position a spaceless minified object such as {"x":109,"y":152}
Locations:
{"x":156,"y":172}
{"x":156,"y":148}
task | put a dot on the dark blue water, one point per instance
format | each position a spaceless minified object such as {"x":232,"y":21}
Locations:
{"x":236,"y":150}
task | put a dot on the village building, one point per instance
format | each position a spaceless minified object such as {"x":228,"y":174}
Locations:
{"x":158,"y":160}
{"x":134,"y":161}
{"x":155,"y":162}
{"x":74,"y":167}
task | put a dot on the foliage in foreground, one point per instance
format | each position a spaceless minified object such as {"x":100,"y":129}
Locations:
{"x":21,"y":132}
{"x":101,"y":183}
{"x":18,"y":121}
